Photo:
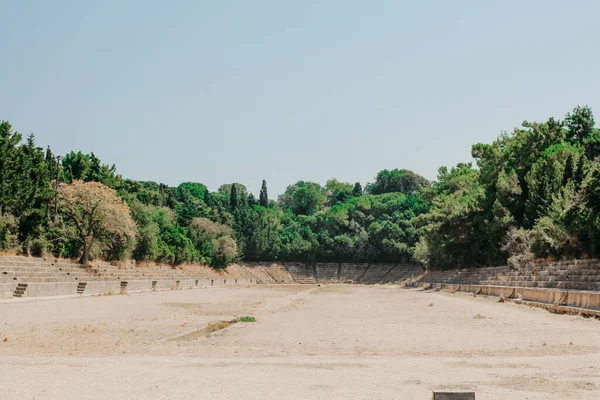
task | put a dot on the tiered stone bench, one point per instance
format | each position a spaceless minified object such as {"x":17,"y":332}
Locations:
{"x":401,"y":273}
{"x":565,"y":286}
{"x":258,"y":271}
{"x":328,"y":272}
{"x":278,"y":272}
{"x":375,"y":273}
{"x":350,"y":273}
{"x":39,"y":277}
{"x":301,"y":273}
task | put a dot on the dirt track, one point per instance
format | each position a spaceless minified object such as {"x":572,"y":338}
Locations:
{"x":333,"y":342}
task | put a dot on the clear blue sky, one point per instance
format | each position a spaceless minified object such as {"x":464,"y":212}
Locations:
{"x":238,"y":91}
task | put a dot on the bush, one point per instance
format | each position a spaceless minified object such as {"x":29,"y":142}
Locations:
{"x":517,"y":243}
{"x":39,"y":247}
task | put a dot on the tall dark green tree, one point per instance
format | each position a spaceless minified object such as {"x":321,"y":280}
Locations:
{"x":569,"y":170}
{"x":9,"y":154}
{"x":358,"y":190}
{"x":263,"y":198}
{"x":233,"y":199}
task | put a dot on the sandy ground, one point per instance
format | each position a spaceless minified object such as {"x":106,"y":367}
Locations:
{"x":331,"y":342}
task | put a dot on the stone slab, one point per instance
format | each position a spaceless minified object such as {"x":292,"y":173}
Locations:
{"x":7,"y":290}
{"x":50,"y":289}
{"x":165,"y":284}
{"x":587,"y":300}
{"x":138,"y":285}
{"x":453,"y":395}
{"x":186,"y":284}
{"x":102,"y":287}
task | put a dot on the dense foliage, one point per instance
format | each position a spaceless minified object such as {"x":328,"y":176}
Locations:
{"x":532,"y":193}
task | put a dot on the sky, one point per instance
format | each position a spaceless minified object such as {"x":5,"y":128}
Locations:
{"x":239,"y":91}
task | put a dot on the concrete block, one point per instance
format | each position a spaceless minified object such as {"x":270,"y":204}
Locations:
{"x":548,"y":296}
{"x":138,"y":286}
{"x":44,"y":289}
{"x":165,"y":284}
{"x":453,"y":395}
{"x":187,"y":284}
{"x":588,"y":300}
{"x":204,"y":283}
{"x":102,"y":287}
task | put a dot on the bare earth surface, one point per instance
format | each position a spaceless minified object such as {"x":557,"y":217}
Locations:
{"x":330,"y":342}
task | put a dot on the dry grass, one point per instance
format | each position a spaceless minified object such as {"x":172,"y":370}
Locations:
{"x":479,"y":316}
{"x":210,"y":328}
{"x":430,"y":305}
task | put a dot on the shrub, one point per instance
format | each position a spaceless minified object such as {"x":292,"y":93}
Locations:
{"x":39,"y":247}
{"x":517,"y":243}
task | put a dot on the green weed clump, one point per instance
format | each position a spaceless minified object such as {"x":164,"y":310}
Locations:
{"x":247,"y":319}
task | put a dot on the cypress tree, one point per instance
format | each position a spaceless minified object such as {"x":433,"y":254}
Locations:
{"x":233,"y":198}
{"x":568,"y":172}
{"x":264,"y":197}
{"x":358,"y":190}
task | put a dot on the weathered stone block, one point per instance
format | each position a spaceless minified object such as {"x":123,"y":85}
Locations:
{"x":453,"y":395}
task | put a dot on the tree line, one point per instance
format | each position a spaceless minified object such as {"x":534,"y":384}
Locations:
{"x":531,"y":193}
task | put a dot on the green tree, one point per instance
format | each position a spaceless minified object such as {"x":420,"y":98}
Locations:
{"x":264,"y":196}
{"x":397,"y":180}
{"x":303,"y":198}
{"x":357,"y":190}
{"x":233,"y":199}
{"x":337,"y":192}
{"x":9,"y":153}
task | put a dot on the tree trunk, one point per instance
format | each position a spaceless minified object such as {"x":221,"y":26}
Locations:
{"x":85,"y":255}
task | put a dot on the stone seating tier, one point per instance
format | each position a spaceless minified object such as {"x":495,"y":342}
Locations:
{"x":401,"y":273}
{"x":352,"y":272}
{"x":278,"y":272}
{"x":259,"y":272}
{"x":301,"y":273}
{"x":375,"y":273}
{"x":327,"y":272}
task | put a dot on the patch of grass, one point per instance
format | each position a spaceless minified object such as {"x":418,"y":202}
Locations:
{"x":501,"y":299}
{"x":430,"y":305}
{"x":217,"y":326}
{"x":211,"y":328}
{"x":479,"y":316}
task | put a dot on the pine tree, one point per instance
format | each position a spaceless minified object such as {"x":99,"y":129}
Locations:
{"x":94,"y":171}
{"x":233,"y":198}
{"x":358,"y":190}
{"x":264,"y":197}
